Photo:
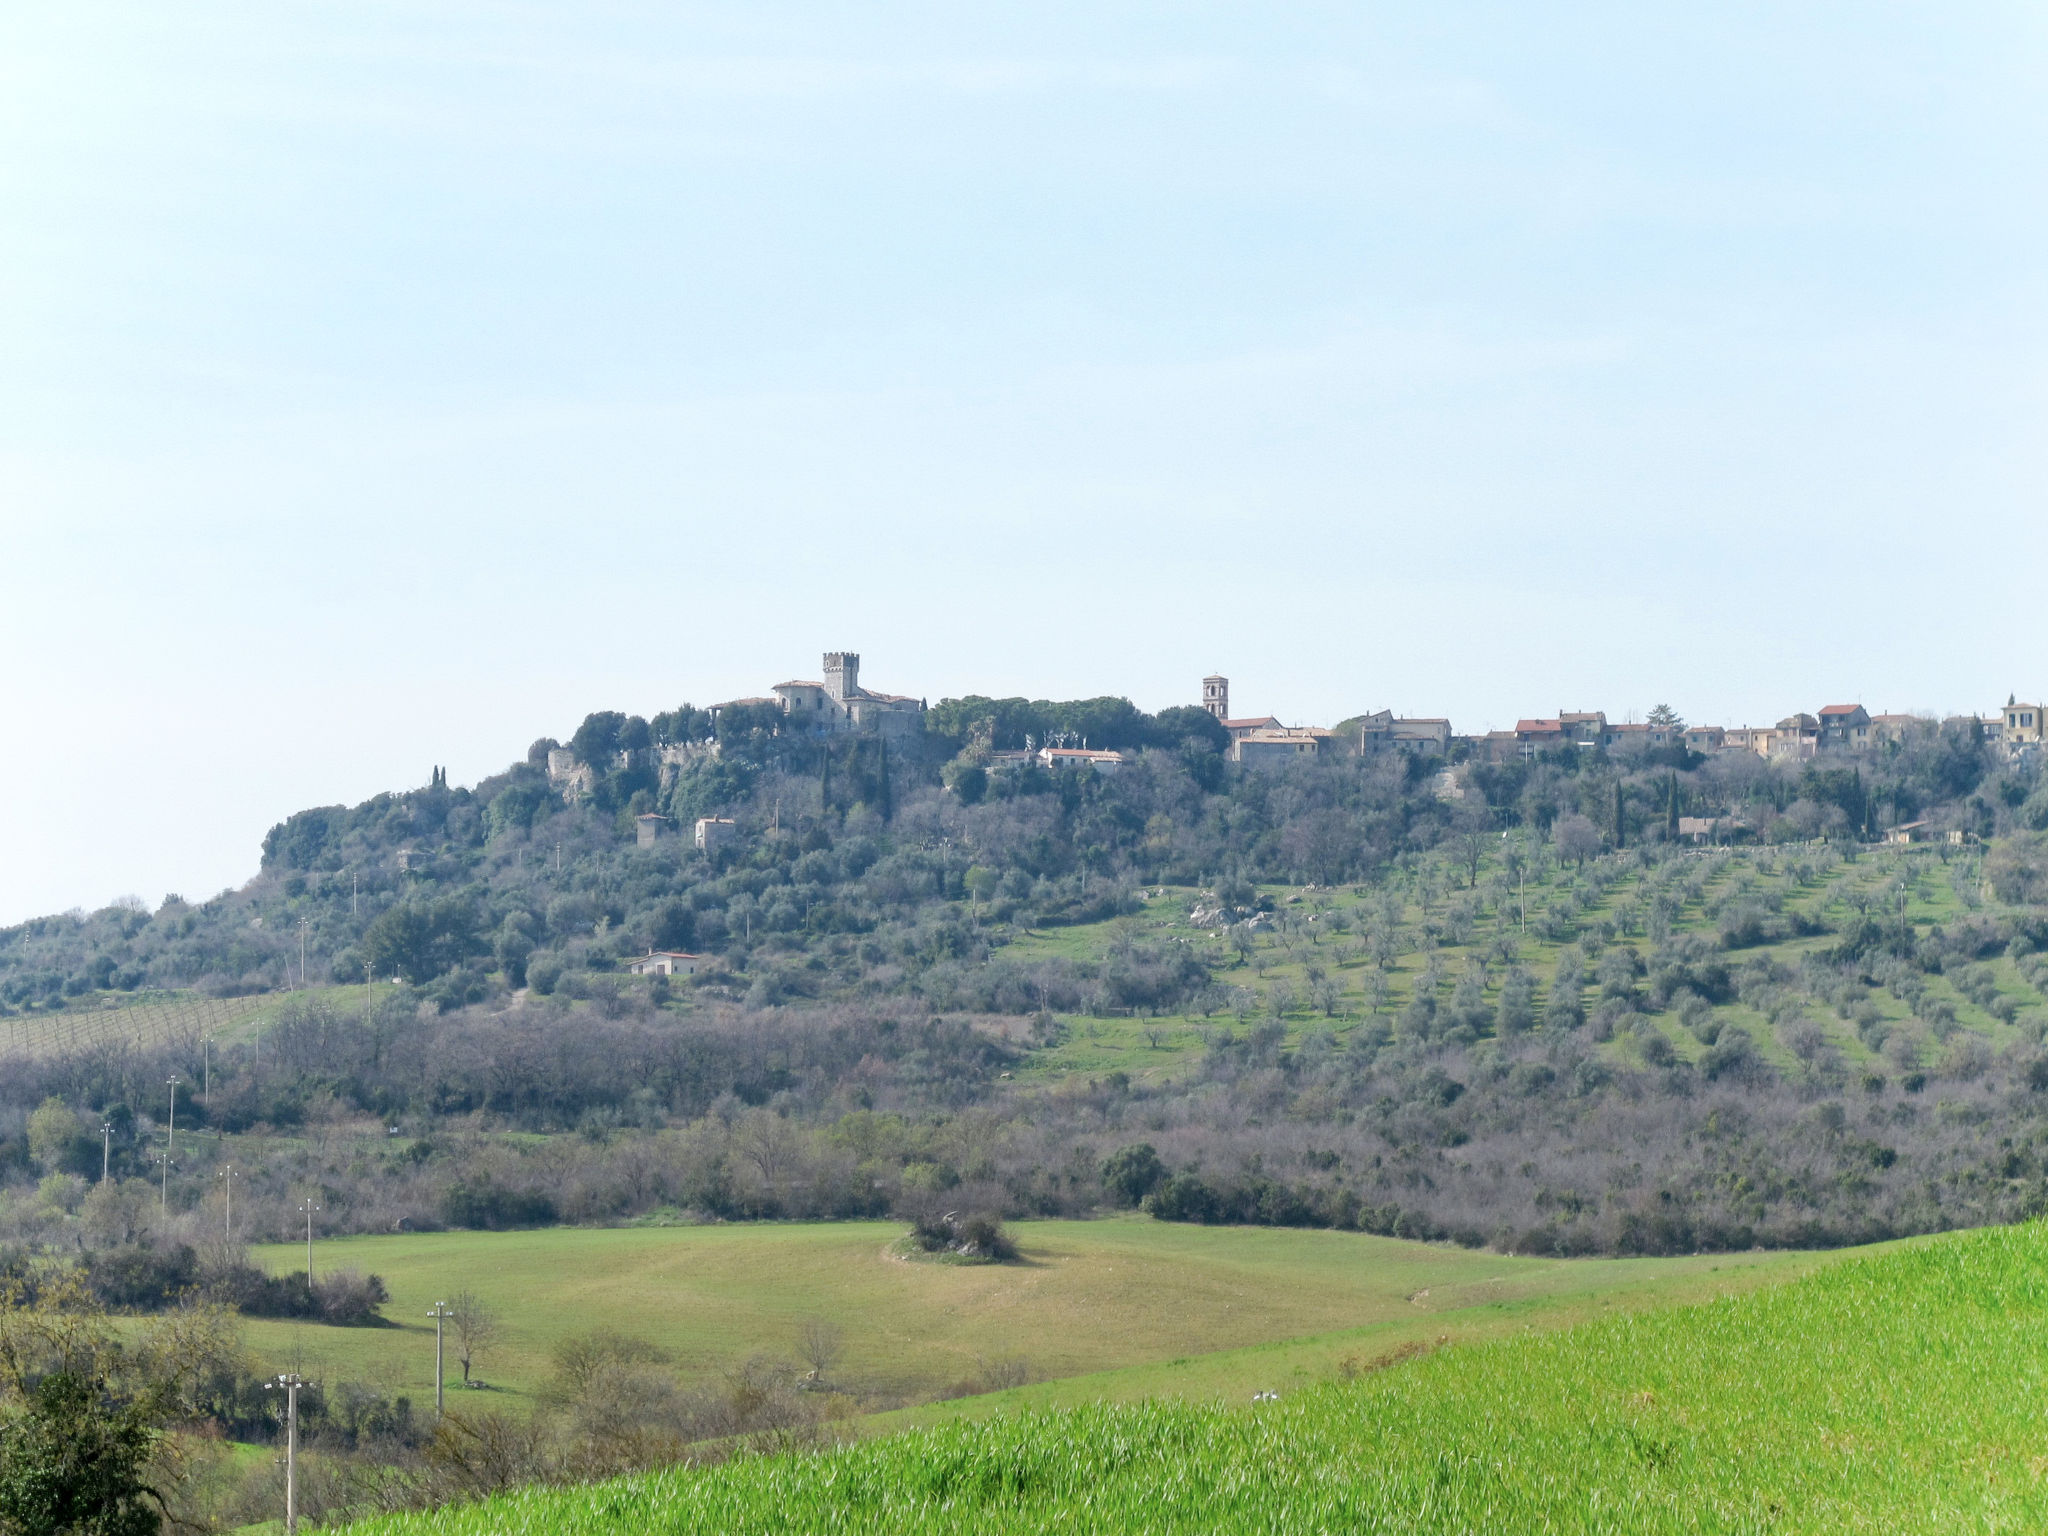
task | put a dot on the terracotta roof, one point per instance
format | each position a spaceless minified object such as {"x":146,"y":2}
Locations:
{"x":1840,"y":709}
{"x":799,"y":683}
{"x":1251,"y":722}
{"x":1537,"y":727}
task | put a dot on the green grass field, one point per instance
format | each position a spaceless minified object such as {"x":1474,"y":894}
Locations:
{"x":1898,"y":1391}
{"x":1118,"y":1308}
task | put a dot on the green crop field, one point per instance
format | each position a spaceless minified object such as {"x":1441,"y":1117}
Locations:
{"x":1899,"y":1391}
{"x":1116,"y":1308}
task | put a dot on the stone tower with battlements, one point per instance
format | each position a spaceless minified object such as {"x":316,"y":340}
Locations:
{"x":1216,"y":696}
{"x":842,"y":674}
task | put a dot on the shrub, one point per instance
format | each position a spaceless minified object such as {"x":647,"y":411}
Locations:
{"x":976,"y":1236}
{"x":489,"y":1206}
{"x":140,"y":1278}
{"x":1130,"y":1173}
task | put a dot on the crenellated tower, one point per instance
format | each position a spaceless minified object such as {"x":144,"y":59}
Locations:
{"x":842,"y":675}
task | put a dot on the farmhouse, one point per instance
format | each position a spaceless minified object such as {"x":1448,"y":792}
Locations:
{"x":665,"y":962}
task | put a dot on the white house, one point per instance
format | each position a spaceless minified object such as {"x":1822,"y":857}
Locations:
{"x":665,"y":962}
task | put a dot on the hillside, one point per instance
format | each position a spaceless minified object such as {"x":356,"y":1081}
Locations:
{"x":1330,"y":993}
{"x":1896,"y":1392}
{"x":862,"y":866}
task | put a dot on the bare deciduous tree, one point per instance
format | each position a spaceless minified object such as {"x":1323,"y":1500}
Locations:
{"x":477,"y":1328}
{"x":819,"y":1344}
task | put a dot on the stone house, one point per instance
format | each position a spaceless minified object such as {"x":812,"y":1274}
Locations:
{"x":1384,"y":731}
{"x":1280,"y":743}
{"x":1844,"y":728}
{"x":1643,"y":737}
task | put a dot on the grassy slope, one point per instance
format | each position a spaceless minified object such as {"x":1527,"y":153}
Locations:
{"x":1899,"y":1391}
{"x":1150,"y":1304}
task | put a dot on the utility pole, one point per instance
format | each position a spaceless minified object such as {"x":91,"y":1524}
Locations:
{"x":227,"y":1178}
{"x":304,"y":924}
{"x":440,"y":1314}
{"x":309,"y":1208}
{"x":291,"y":1384}
{"x":164,"y":1195}
{"x":106,"y":1149}
{"x":171,"y":1145}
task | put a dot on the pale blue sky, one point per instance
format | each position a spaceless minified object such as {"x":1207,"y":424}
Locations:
{"x":385,"y":385}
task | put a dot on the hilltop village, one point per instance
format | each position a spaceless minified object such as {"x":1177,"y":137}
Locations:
{"x":840,"y":704}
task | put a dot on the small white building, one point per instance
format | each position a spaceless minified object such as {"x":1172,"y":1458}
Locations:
{"x":665,"y":962}
{"x":714,"y":832}
{"x":1082,"y":757}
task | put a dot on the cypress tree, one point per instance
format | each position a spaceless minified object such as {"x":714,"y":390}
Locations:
{"x":1620,"y":818}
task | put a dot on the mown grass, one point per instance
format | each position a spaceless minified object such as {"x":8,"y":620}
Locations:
{"x":1093,"y":1300}
{"x":1896,"y":1392}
